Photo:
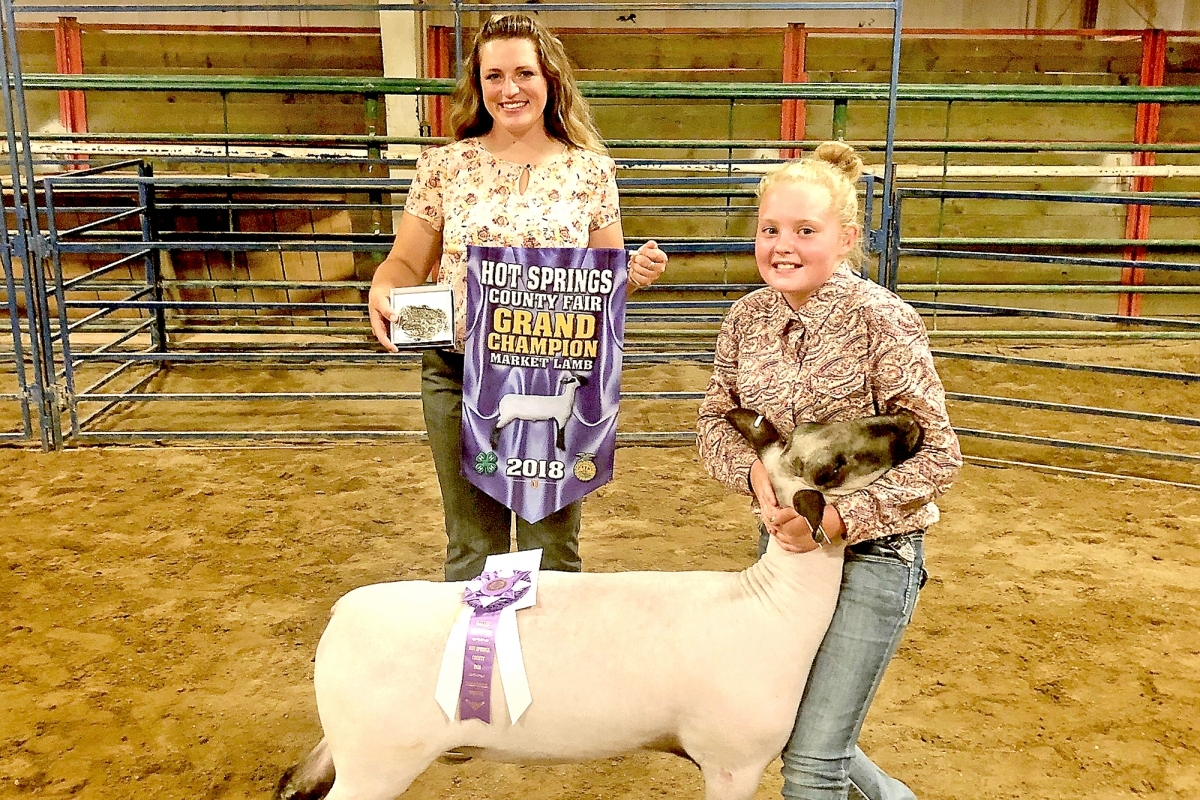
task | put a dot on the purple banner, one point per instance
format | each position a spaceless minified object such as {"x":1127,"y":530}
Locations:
{"x":542,"y":377}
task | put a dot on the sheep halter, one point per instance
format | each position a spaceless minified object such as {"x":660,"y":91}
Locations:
{"x":487,"y":595}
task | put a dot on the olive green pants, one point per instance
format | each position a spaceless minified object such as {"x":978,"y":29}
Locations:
{"x":476,"y":525}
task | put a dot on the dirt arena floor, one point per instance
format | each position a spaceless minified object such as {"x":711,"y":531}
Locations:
{"x":161,"y":604}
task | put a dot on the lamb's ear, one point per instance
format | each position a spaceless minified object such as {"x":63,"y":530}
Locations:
{"x":810,"y":505}
{"x":756,"y":428}
{"x":909,"y":437}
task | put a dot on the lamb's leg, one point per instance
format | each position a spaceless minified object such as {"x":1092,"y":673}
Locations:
{"x":560,"y":439}
{"x":310,"y":779}
{"x":377,"y":775}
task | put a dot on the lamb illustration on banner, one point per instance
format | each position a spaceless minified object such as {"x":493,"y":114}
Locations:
{"x":538,"y":407}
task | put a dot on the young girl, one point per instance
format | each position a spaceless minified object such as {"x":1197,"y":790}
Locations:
{"x":820,"y":344}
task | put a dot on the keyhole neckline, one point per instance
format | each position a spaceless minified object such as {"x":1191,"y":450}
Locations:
{"x":525,"y":165}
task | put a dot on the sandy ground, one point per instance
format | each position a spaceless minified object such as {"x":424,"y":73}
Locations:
{"x":161,"y":605}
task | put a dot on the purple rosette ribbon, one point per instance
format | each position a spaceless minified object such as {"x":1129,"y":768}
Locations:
{"x":488,"y":595}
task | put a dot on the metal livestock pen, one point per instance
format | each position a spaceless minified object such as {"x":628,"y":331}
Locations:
{"x":109,"y":297}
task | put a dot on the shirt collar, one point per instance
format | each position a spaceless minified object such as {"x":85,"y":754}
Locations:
{"x":819,"y":307}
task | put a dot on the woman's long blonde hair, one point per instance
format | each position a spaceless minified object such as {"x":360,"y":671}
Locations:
{"x":837,"y":167}
{"x":567,"y":116}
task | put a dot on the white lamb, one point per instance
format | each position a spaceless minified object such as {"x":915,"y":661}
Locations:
{"x":536,"y":407}
{"x":707,"y":665}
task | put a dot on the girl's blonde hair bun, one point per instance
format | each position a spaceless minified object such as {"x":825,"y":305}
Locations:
{"x":841,"y":157}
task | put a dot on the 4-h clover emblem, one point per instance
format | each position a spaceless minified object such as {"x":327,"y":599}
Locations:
{"x":485,"y":463}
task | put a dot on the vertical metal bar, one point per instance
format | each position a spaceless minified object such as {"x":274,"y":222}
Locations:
{"x":8,"y":247}
{"x":728,"y":199}
{"x":943,"y":183}
{"x":868,"y":218}
{"x":14,"y":319}
{"x":28,"y":239}
{"x":229,"y":221}
{"x":889,"y":167}
{"x":841,"y":112}
{"x":458,"y":39}
{"x":151,"y":263}
{"x":1137,"y":218}
{"x":792,"y":117}
{"x":371,"y":108}
{"x":891,"y":278}
{"x":60,"y":299}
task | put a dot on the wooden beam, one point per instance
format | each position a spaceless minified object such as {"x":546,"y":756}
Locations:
{"x":72,"y":104}
{"x":68,"y":53}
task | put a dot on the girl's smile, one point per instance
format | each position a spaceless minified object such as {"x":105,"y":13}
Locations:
{"x":800,"y":241}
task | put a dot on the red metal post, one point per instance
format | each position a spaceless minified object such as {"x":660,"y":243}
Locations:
{"x":72,"y":106}
{"x":1137,"y":218}
{"x":439,"y":43}
{"x":792,"y":120}
{"x":68,"y":51}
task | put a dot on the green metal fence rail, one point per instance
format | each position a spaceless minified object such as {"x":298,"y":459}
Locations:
{"x":659,"y":90}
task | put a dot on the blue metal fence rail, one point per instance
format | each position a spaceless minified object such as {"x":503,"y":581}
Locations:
{"x":699,"y":318}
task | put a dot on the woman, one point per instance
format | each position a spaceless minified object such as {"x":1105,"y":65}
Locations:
{"x":527,"y":169}
{"x":820,"y":344}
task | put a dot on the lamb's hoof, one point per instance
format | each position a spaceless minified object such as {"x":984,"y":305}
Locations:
{"x":288,"y":790}
{"x":454,"y":757}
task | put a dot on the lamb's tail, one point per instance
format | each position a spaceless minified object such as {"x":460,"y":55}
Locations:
{"x":311,"y":779}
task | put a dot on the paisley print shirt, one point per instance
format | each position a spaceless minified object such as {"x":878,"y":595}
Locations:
{"x":472,"y":197}
{"x":853,"y":350}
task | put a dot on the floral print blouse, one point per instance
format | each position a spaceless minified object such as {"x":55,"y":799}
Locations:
{"x":472,"y":197}
{"x":852,"y":350}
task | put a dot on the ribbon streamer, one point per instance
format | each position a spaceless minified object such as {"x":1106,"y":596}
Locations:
{"x":486,"y":636}
{"x":475,"y":697}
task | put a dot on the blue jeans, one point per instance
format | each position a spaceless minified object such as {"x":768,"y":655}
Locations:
{"x":822,"y":760}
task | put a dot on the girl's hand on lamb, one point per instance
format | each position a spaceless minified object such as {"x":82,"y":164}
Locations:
{"x":794,"y":534}
{"x":647,"y":265}
{"x":764,"y":492}
{"x":788,"y":527}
